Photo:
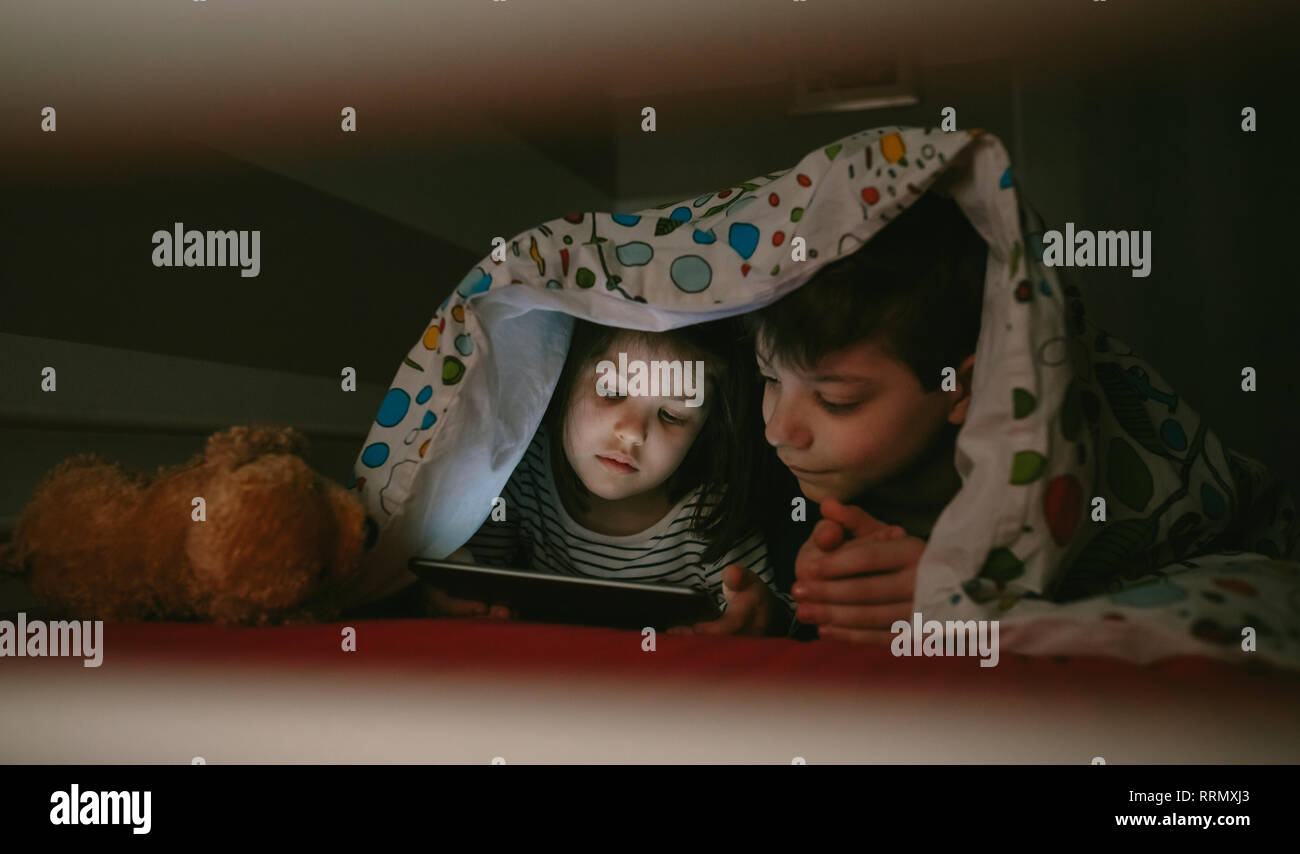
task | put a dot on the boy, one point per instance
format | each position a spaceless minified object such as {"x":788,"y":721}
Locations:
{"x":852,"y":364}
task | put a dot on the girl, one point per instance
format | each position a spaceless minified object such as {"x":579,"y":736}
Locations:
{"x":633,"y":486}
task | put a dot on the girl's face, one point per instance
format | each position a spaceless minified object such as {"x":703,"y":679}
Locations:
{"x":626,"y":446}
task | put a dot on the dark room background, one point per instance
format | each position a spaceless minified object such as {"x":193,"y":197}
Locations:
{"x":364,"y":234}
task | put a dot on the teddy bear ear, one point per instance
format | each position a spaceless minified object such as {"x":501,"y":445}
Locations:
{"x":355,"y":532}
{"x":235,"y":446}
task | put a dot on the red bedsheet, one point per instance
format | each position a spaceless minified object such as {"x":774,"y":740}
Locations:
{"x":465,"y":691}
{"x":485,"y":645}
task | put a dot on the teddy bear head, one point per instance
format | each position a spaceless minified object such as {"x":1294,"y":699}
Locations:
{"x":277,"y":533}
{"x":245,"y":532}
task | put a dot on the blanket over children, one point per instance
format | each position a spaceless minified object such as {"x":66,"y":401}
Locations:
{"x":1194,"y":552}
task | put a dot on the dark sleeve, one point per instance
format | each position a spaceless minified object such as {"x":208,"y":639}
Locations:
{"x":785,"y":536}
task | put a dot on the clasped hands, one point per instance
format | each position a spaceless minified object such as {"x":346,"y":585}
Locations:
{"x":856,"y":576}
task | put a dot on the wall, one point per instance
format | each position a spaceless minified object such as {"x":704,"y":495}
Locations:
{"x":1151,"y":143}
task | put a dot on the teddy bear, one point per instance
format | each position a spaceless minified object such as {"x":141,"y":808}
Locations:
{"x":97,"y":541}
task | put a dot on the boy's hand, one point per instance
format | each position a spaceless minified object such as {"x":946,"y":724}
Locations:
{"x":829,"y":534}
{"x":856,"y":576}
{"x":750,"y":606}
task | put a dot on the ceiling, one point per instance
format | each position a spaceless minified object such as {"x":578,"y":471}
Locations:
{"x":468,"y":108}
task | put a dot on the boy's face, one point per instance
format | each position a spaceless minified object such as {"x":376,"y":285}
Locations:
{"x":851,"y":422}
{"x":625,"y":446}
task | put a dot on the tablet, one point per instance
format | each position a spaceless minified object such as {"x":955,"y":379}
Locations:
{"x":547,"y":598}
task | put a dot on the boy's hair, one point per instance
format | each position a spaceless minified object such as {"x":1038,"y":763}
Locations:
{"x":916,"y":290}
{"x":721,"y":460}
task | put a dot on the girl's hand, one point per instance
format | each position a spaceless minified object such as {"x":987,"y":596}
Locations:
{"x":439,"y":604}
{"x":750,"y":606}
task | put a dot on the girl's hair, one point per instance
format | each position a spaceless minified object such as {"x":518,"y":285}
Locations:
{"x":723,"y":456}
